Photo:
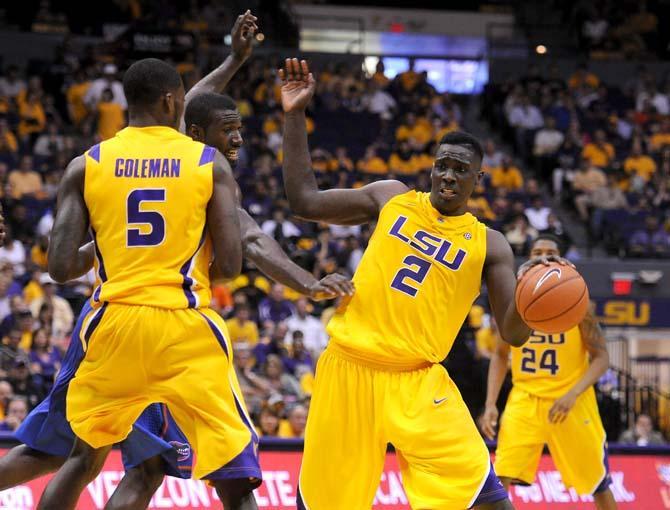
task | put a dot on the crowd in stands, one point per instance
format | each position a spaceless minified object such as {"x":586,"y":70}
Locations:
{"x":579,"y":136}
{"x":602,"y":150}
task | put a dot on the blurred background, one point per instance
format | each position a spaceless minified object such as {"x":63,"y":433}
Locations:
{"x":572,"y":100}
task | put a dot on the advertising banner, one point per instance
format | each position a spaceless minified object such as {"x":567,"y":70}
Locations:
{"x":639,"y":482}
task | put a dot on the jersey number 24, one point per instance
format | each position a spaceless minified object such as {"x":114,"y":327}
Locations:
{"x":547,"y":360}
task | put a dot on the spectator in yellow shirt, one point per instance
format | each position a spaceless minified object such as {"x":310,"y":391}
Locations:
{"x":661,"y":138}
{"x":480,"y":208}
{"x":371,"y":163}
{"x":379,"y":77}
{"x":75,"y":98}
{"x":582,"y":77}
{"x":417,"y":131}
{"x":321,"y":160}
{"x":409,"y":79}
{"x":8,"y":142}
{"x":294,"y":426}
{"x":507,"y":176}
{"x":25,"y":182}
{"x":272,"y":123}
{"x":440,"y":128}
{"x":241,"y":328}
{"x":486,"y":340}
{"x":402,"y":160}
{"x":38,"y":253}
{"x":341,"y":161}
{"x":639,"y":164}
{"x":599,"y":152}
{"x":422,"y":161}
{"x":111,"y":118}
{"x":32,"y":117}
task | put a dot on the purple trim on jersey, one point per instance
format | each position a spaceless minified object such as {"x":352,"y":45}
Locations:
{"x":607,"y":479}
{"x":95,"y":321}
{"x":94,"y":153}
{"x":217,"y":333}
{"x":101,"y":267}
{"x":222,"y":341}
{"x":492,"y":490}
{"x":186,"y":268}
{"x":244,"y":465}
{"x":207,"y":155}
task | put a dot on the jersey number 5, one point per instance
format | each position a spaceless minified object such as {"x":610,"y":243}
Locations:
{"x":135,"y":216}
{"x":418,"y":275}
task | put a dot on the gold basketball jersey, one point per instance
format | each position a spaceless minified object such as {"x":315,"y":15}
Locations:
{"x":147,"y":191}
{"x":415,"y":285}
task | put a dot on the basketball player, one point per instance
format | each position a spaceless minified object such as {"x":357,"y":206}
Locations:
{"x":157,"y":204}
{"x":552,"y":402}
{"x":380,"y":380}
{"x":149,"y":452}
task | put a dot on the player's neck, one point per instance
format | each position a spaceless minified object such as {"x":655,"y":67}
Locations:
{"x":140,"y":120}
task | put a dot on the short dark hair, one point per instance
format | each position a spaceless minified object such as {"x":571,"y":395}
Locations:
{"x":200,"y":109}
{"x":463,"y":138}
{"x":147,"y":80}
{"x":546,"y":236}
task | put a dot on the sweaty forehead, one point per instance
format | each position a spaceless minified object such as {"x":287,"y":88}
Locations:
{"x":227,"y":116}
{"x":461,"y":153}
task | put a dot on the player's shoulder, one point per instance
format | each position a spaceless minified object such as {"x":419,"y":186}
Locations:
{"x":497,"y":246}
{"x":385,"y":191}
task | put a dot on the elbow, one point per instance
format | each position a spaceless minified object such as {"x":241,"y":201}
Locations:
{"x":300,"y":208}
{"x":231,"y":266}
{"x":516,"y":342}
{"x":514,"y":339}
{"x":229,"y":270}
{"x":59,"y":273}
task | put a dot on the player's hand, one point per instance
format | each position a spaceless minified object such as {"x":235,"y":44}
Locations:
{"x":243,"y":34}
{"x":298,"y":85}
{"x":559,"y":411}
{"x":489,"y":422}
{"x":331,"y":286}
{"x":526,"y":266}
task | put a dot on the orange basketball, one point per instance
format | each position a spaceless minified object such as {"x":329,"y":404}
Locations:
{"x":553,"y":298}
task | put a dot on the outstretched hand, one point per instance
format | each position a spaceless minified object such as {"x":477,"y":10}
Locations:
{"x":331,"y":286}
{"x":298,"y":85}
{"x":526,"y":266}
{"x":242,"y":35}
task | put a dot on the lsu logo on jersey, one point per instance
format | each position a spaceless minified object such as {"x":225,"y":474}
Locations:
{"x":416,"y":268}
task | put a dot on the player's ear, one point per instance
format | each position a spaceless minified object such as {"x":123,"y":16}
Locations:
{"x":196,"y":132}
{"x":168,"y":102}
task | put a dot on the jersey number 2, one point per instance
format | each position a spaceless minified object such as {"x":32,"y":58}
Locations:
{"x":135,"y":216}
{"x":418,"y":275}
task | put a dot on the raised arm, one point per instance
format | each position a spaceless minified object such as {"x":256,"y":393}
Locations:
{"x":222,"y":221}
{"x":242,"y":35}
{"x":266,"y":253}
{"x":496,"y":377}
{"x":594,"y":340}
{"x":338,"y":206}
{"x":501,"y":283}
{"x":65,"y":260}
